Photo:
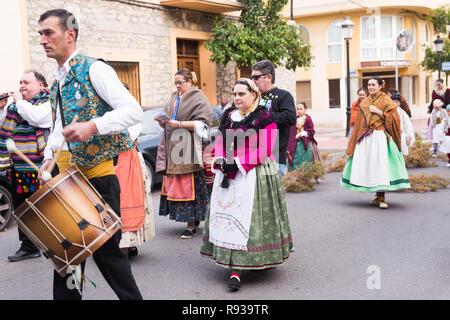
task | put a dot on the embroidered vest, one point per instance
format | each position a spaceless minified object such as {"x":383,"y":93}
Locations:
{"x":79,"y":97}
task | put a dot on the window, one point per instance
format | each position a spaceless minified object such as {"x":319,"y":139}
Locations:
{"x":368,"y":39}
{"x":378,"y":35}
{"x":334,"y":38}
{"x":128,"y":72}
{"x":304,"y":33}
{"x":334,"y":92}
{"x":427,"y":36}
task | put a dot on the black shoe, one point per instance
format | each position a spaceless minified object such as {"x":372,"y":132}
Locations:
{"x":234,"y":282}
{"x":22,"y":255}
{"x":132,"y":252}
{"x":188,"y":234}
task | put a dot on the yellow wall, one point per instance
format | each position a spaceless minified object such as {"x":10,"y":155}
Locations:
{"x":321,"y":71}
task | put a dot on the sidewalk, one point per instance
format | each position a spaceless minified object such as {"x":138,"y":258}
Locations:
{"x":329,"y":139}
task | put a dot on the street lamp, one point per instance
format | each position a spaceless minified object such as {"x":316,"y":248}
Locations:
{"x":347,"y":32}
{"x":439,"y":46}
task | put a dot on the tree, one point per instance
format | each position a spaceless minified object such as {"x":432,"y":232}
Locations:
{"x":430,"y":62}
{"x":440,"y":18}
{"x":260,"y":34}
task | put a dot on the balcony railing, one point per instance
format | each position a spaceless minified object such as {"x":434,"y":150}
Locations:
{"x":212,"y":6}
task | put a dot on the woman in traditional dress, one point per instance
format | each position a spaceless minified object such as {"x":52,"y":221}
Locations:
{"x":375,"y":162}
{"x":362,"y":94}
{"x":184,"y":195}
{"x":302,"y":146}
{"x":406,"y":127}
{"x":403,"y":103}
{"x":247,"y":226}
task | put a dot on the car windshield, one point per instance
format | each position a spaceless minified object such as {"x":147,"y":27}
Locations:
{"x":150,"y":125}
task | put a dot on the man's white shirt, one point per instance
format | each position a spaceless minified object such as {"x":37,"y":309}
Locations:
{"x":126,"y":110}
{"x":39,"y":116}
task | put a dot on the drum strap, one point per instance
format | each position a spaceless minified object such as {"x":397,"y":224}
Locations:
{"x":63,"y":121}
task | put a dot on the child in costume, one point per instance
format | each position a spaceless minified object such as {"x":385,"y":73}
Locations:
{"x":445,"y":136}
{"x":438,"y":117}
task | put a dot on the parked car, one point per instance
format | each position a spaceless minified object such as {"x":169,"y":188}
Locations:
{"x":6,"y":204}
{"x":150,"y":138}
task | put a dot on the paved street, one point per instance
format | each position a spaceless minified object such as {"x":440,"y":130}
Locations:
{"x":337,"y":237}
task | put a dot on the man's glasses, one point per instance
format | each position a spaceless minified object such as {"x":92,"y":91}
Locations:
{"x":257,"y":76}
{"x":179,"y":83}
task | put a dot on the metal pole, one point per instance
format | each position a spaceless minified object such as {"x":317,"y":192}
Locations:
{"x":396,"y":69}
{"x":439,"y":65}
{"x":348,"y":89}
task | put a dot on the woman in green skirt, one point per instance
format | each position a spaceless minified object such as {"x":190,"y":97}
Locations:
{"x":375,"y":161}
{"x":302,"y":146}
{"x":247,"y":225}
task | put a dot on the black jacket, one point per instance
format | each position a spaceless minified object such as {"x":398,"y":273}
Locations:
{"x":282,"y":106}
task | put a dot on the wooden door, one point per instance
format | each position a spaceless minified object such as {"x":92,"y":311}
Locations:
{"x":188,"y":57}
{"x":192,"y":64}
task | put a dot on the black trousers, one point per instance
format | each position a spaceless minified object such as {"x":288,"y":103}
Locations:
{"x":26,"y":244}
{"x":112,"y":262}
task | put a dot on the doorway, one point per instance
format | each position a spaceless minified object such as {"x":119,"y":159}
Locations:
{"x":188,"y":57}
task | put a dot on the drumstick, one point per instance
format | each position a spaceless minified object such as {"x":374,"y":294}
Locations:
{"x":52,"y":164}
{"x":11,"y":146}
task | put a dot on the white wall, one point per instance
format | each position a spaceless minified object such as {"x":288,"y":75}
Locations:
{"x":14,"y":51}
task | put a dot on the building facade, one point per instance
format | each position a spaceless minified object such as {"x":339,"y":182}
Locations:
{"x":372,"y":52}
{"x":145,"y":41}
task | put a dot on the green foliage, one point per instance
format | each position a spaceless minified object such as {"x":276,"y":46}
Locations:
{"x":304,"y":178}
{"x":440,"y":18}
{"x":430,"y":62}
{"x":260,"y":34}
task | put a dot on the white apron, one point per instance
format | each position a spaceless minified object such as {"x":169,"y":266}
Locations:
{"x":231,"y":211}
{"x":370,"y":161}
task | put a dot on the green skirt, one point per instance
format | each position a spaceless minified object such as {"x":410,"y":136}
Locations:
{"x":270,"y":241}
{"x":398,"y":176}
{"x":301,"y":155}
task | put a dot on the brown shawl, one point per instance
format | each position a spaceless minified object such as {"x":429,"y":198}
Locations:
{"x":367,"y":121}
{"x":193,"y":106}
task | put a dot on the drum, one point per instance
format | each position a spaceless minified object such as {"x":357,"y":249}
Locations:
{"x":67,"y":219}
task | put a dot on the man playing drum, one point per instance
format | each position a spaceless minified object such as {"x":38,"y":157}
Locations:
{"x":89,"y":88}
{"x":25,"y":121}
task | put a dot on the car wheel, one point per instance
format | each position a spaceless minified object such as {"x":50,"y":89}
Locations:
{"x":152,"y":174}
{"x":5,"y":208}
